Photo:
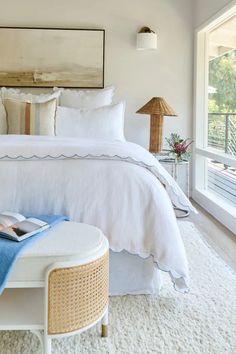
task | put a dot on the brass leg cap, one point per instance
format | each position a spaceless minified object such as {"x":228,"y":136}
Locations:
{"x":104,"y":331}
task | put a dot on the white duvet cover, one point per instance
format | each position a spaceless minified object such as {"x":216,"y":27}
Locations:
{"x":116,"y":186}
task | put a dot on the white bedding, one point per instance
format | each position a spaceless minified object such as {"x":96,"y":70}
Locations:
{"x":115,"y":186}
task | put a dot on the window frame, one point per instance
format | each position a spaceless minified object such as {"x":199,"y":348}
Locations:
{"x":219,"y":208}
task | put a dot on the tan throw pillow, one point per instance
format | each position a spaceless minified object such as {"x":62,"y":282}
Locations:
{"x":30,"y":118}
{"x":30,"y":114}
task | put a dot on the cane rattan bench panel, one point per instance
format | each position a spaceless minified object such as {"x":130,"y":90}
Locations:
{"x":77,"y":296}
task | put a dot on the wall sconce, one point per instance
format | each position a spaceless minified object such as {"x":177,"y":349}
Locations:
{"x":146,"y":39}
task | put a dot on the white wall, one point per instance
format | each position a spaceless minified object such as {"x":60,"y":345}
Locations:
{"x":138,"y":76}
{"x":204,"y":9}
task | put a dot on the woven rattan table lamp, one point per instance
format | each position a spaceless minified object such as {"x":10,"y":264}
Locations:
{"x":157,"y":107}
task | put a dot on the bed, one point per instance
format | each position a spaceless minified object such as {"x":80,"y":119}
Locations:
{"x":117,"y":186}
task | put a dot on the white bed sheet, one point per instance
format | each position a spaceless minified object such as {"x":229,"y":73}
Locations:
{"x":131,"y":274}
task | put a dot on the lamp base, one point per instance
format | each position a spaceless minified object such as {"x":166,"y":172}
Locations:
{"x":156,"y":133}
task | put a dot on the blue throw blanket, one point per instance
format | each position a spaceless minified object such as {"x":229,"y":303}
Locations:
{"x":10,"y":250}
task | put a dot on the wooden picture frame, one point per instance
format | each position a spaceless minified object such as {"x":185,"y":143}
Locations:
{"x":47,"y":57}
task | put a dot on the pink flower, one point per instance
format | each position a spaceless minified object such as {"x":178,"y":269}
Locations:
{"x":178,"y":145}
{"x":181,"y":148}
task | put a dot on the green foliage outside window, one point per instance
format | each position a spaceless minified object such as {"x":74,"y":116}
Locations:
{"x":222,"y":76}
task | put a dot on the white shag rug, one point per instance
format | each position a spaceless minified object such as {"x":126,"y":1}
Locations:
{"x":201,"y":322}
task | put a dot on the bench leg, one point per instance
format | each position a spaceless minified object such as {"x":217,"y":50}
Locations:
{"x":105,"y":325}
{"x":47,"y":345}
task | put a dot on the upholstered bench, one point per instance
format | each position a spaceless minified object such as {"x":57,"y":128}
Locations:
{"x":59,"y":284}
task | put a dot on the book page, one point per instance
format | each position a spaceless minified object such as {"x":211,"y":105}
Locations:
{"x":29,"y":226}
{"x":36,"y":221}
{"x":8,"y":218}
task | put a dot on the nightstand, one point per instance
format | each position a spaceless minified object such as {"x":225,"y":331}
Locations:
{"x":179,"y":170}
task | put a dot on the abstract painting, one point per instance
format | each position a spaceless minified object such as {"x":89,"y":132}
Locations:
{"x":44,"y":57}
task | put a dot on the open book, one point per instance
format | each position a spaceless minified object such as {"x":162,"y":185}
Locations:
{"x":16,"y":227}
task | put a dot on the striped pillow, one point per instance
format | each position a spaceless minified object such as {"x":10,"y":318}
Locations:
{"x":30,"y":118}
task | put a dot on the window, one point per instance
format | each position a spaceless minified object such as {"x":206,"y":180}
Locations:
{"x":221,"y":180}
{"x":215,"y":118}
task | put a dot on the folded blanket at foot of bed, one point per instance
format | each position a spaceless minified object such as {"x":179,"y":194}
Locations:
{"x":10,"y":250}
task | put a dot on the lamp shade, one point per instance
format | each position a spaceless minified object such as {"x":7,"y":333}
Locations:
{"x":157,"y":105}
{"x":146,"y":39}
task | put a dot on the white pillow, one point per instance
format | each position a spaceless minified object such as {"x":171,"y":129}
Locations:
{"x":105,"y":123}
{"x":86,"y":99}
{"x":17,"y":95}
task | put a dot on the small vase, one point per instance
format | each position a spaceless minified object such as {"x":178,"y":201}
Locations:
{"x":178,"y":158}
